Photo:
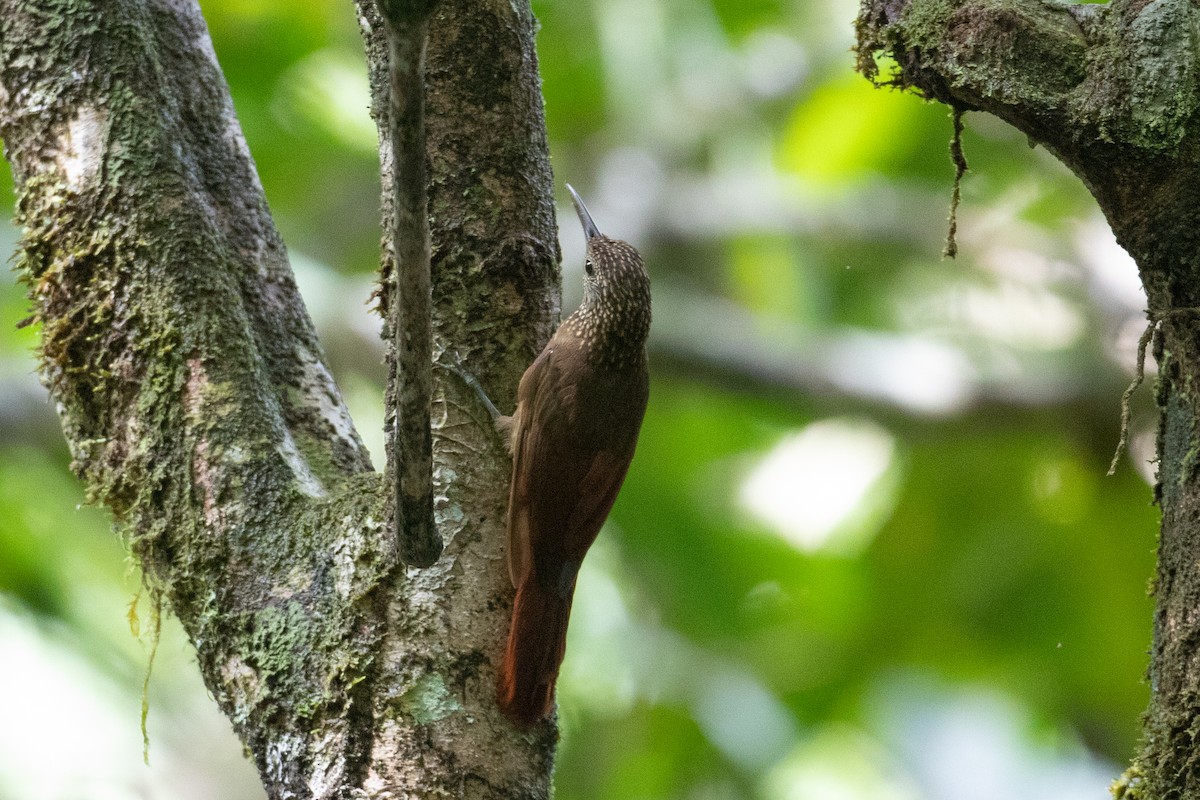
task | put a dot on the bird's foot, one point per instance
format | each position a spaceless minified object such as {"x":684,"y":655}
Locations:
{"x":455,"y":366}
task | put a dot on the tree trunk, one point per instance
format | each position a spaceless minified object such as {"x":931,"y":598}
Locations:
{"x":1112,"y":91}
{"x":198,"y":406}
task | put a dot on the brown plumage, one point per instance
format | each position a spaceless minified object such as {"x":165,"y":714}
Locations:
{"x":579,"y":409}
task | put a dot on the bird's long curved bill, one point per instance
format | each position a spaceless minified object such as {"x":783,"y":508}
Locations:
{"x":585,"y":219}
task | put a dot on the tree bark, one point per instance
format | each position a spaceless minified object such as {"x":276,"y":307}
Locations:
{"x":1112,"y":90}
{"x":199,"y":408}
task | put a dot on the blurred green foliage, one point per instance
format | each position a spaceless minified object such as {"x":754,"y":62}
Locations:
{"x":984,"y":584}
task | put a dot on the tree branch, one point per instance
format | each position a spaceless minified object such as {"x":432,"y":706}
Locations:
{"x":410,"y":327}
{"x":188,"y":379}
{"x":1113,"y":91}
{"x":198,"y":406}
{"x":495,"y":302}
{"x":1076,"y":77}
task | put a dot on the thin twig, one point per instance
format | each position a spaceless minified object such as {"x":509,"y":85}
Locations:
{"x":1139,"y":374}
{"x":960,"y":169}
{"x":155,"y":638}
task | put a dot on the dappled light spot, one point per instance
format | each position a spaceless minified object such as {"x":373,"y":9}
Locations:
{"x":743,"y":720}
{"x":839,"y":763}
{"x":828,"y":487}
{"x":977,"y":742}
{"x":328,"y":89}
{"x":616,"y":661}
{"x":914,"y":372}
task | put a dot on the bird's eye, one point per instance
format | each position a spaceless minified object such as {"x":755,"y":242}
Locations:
{"x":587,"y":266}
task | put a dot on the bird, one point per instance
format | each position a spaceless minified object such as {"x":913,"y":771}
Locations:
{"x":579,"y":411}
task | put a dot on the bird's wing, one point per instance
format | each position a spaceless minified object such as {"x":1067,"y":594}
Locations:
{"x":523,"y":441}
{"x":568,"y":466}
{"x":598,"y":487}
{"x":595,"y":497}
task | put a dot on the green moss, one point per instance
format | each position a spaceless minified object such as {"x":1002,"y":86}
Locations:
{"x":1126,"y":81}
{"x":1130,"y":785}
{"x":309,"y":646}
{"x":1159,"y":48}
{"x":1168,"y":766}
{"x":1004,"y":51}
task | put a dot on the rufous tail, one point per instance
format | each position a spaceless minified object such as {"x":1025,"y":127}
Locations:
{"x":537,"y":641}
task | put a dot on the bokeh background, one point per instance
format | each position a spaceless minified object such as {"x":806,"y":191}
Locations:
{"x":867,"y":549}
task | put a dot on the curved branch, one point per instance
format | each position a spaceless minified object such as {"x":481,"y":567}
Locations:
{"x":1113,"y":90}
{"x":187,"y":376}
{"x":198,"y":407}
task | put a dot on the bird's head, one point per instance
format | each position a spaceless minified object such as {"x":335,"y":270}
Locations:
{"x":615,"y":277}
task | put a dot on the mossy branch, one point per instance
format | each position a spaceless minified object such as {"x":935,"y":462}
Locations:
{"x":1071,"y":76}
{"x":1113,"y":91}
{"x":198,"y":406}
{"x":960,"y":169}
{"x":188,"y":378}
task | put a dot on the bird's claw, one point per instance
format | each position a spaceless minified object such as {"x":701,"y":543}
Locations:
{"x":456,"y":366}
